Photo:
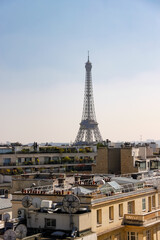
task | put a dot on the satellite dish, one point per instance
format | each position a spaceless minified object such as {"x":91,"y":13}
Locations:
{"x":6,"y":217}
{"x":36,"y":202}
{"x":71,"y":203}
{"x":27,"y":201}
{"x":9,"y":234}
{"x":21,"y":231}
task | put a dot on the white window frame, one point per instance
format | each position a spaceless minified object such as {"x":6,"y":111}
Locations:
{"x":131,"y":207}
{"x":111,"y":213}
{"x":143,"y":204}
{"x":120,"y":209}
{"x":153,"y":201}
{"x":132,"y":236}
{"x":148,"y":235}
{"x":99,"y":216}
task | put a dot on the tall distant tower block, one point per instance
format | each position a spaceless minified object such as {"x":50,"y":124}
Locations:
{"x":88,"y":132}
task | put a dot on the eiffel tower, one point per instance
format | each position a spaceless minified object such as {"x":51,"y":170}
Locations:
{"x":88,"y":132}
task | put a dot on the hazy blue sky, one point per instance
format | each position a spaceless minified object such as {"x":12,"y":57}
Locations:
{"x":43,"y":49}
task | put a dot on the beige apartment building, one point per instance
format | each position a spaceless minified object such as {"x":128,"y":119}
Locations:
{"x":124,"y":159}
{"x":112,"y":213}
{"x":62,"y":158}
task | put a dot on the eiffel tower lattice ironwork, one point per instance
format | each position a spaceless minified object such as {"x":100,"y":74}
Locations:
{"x":88,"y":132}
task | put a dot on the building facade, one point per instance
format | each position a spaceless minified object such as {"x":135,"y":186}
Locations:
{"x":127,"y":159}
{"x":127,"y":214}
{"x":64,"y":158}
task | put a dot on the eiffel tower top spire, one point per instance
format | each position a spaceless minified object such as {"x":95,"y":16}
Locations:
{"x":88,"y":64}
{"x":88,"y":132}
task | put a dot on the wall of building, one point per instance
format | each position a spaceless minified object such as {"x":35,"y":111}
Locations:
{"x":101,"y":161}
{"x":127,"y":161}
{"x":142,"y":152}
{"x":154,"y":146}
{"x":107,"y":227}
{"x":17,"y":200}
{"x":117,"y":221}
{"x":90,"y":236}
{"x":115,"y":160}
{"x":114,"y":164}
{"x":18,"y":159}
{"x":81,"y":221}
{"x":149,"y":151}
{"x":18,"y":185}
{"x":112,"y":228}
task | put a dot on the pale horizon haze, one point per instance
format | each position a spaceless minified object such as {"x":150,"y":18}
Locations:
{"x":43,"y":50}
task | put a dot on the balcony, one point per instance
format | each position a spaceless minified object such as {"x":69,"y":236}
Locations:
{"x":143,"y":219}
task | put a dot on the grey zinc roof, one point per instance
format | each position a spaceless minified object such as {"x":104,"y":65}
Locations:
{"x":5,"y":203}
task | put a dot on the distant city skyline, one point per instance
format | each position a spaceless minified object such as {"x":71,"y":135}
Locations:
{"x":43,"y":50}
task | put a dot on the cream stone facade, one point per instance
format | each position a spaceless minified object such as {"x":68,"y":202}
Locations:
{"x":133,"y":215}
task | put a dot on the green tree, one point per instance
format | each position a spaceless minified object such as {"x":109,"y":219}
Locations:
{"x":66,"y":159}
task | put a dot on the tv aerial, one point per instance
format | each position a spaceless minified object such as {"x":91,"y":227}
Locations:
{"x":6,"y":217}
{"x":36,"y":202}
{"x":27,"y":201}
{"x":9,"y":235}
{"x":21,"y":231}
{"x":71,"y":203}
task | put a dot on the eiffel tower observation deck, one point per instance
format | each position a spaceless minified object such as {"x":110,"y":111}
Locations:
{"x":88,"y":132}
